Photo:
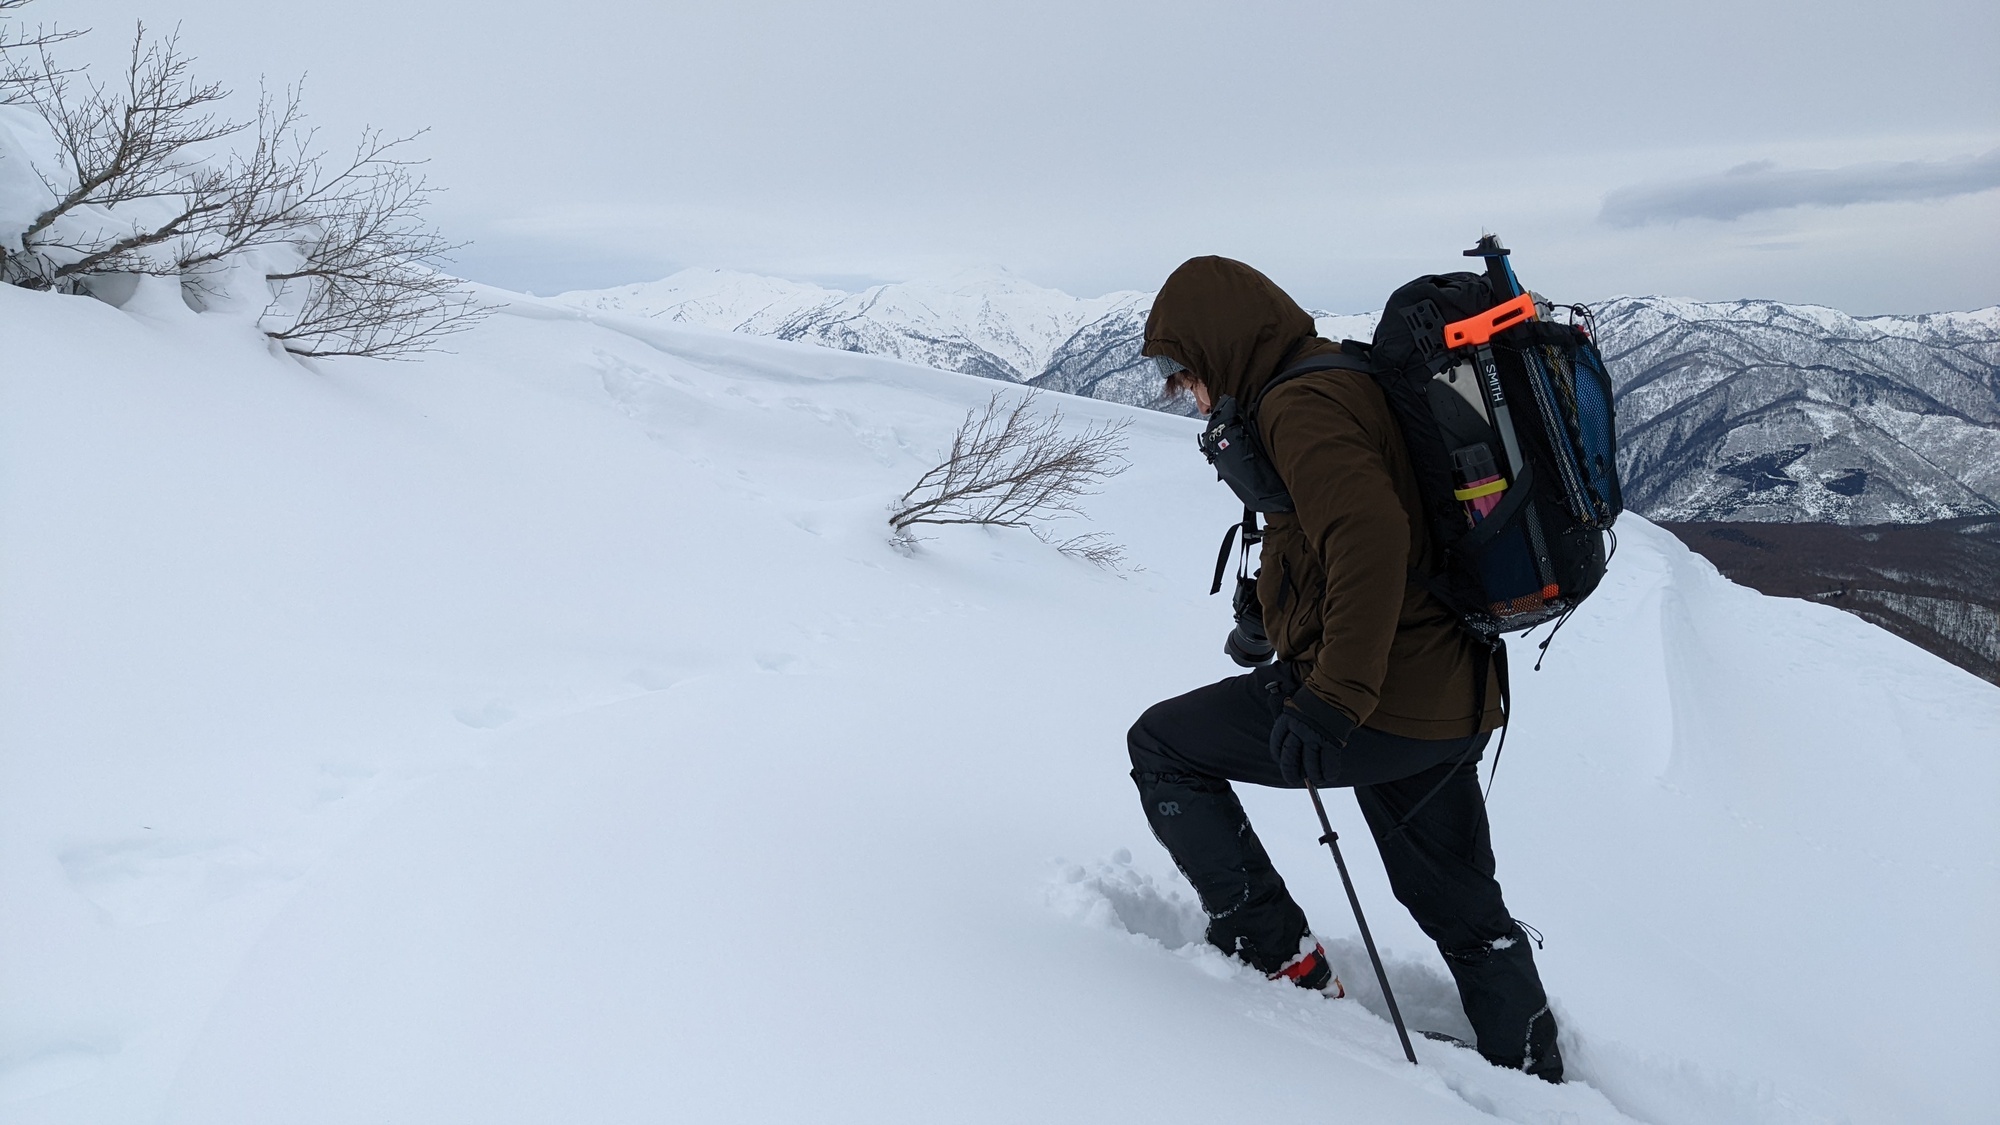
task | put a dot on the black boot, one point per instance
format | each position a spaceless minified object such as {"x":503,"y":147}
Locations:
{"x":1544,"y":1059}
{"x":1503,"y":999}
{"x":1432,"y":832}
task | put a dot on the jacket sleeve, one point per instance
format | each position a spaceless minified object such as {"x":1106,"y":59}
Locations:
{"x":1337,"y":471}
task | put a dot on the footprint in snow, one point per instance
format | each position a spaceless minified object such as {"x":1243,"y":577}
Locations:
{"x":485,"y":716}
{"x":1112,"y":894}
{"x":138,"y":882}
{"x":1115,"y":895}
{"x":44,"y":1072}
{"x":337,"y":782}
{"x":656,"y":679}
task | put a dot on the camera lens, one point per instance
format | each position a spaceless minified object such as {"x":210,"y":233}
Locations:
{"x":1247,"y":645}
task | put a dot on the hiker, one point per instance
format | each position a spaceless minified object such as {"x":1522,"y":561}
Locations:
{"x":1375,"y":685}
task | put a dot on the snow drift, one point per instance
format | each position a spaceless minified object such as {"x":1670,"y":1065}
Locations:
{"x":550,"y":731}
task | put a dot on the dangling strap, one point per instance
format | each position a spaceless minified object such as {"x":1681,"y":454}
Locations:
{"x":1506,"y":715}
{"x":1491,"y":654}
{"x":1229,"y":539}
{"x":1251,"y":536}
{"x":1222,"y":556}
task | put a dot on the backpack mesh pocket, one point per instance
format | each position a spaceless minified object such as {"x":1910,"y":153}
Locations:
{"x":1572,"y":393}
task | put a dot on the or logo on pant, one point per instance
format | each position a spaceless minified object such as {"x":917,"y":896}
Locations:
{"x":1170,"y":808}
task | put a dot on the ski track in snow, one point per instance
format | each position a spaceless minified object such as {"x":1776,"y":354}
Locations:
{"x":549,"y":731}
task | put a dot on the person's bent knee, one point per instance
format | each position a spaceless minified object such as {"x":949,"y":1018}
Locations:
{"x":1143,"y":742}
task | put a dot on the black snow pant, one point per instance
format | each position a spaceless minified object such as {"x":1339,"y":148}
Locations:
{"x":1186,"y":751}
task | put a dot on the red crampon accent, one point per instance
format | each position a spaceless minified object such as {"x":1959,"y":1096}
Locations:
{"x":1301,"y":967}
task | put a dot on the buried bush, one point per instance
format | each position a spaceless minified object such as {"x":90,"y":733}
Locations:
{"x":144,"y":176}
{"x":1011,"y":466}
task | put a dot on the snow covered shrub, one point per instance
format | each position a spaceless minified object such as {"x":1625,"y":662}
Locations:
{"x":129,"y":182}
{"x":347,"y":260}
{"x":1015,"y":467}
{"x":144,"y":177}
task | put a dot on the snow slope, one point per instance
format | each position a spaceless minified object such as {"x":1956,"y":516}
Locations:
{"x":549,"y":732}
{"x":984,"y":322}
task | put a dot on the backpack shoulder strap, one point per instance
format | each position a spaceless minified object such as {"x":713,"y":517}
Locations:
{"x":1333,"y":361}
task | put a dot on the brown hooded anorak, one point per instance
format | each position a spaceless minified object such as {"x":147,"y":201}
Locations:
{"x":1334,"y":580}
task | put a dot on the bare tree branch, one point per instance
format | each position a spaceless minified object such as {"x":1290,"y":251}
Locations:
{"x":1013,"y":467}
{"x":22,"y":39}
{"x":283,"y":191}
{"x":1095,"y":548}
{"x":371,"y":280}
{"x":353,"y":267}
{"x":138,"y":144}
{"x":271,"y":192}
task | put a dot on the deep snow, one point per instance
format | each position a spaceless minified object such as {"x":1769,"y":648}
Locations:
{"x":550,"y":732}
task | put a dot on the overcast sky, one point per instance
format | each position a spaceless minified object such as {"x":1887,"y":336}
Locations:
{"x":1822,"y":151}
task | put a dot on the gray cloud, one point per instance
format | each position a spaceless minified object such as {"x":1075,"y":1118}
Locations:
{"x":1763,"y":186}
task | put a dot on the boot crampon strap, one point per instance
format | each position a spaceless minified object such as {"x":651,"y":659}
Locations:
{"x":1311,"y":970}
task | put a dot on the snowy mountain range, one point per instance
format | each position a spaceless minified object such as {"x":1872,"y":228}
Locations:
{"x":1761,"y":411}
{"x":1737,"y":411}
{"x":979,"y":322}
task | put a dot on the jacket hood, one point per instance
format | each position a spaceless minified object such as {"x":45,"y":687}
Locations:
{"x":1230,"y":325}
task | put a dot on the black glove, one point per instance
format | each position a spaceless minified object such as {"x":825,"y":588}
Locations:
{"x":1307,"y":735}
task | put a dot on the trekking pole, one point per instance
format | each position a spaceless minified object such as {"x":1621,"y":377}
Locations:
{"x":1332,"y":841}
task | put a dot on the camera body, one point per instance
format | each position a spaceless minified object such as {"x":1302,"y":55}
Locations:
{"x":1246,"y":644}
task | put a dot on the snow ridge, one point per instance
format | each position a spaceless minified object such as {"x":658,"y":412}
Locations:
{"x":984,"y":322}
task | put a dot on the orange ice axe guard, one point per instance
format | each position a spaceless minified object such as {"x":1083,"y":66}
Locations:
{"x":1480,"y":328}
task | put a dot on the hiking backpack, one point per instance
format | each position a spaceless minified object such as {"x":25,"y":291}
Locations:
{"x":1507,"y":417}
